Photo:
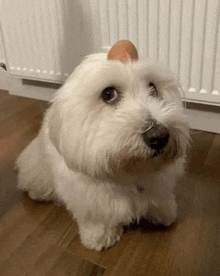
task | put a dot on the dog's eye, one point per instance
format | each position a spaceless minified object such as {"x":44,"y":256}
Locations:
{"x":153,"y":89}
{"x":109,"y":95}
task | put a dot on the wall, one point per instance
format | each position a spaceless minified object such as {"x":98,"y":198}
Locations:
{"x":3,"y":73}
{"x":2,"y":50}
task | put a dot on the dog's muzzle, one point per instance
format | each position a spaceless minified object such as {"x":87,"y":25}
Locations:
{"x":156,"y":137}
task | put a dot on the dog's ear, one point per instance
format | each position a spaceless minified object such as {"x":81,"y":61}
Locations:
{"x":123,"y":50}
{"x":60,"y":130}
{"x":54,"y":124}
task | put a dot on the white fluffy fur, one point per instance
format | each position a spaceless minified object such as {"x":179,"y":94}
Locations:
{"x":91,"y":156}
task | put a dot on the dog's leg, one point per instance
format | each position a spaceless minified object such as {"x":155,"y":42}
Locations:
{"x":34,"y":174}
{"x":99,"y":210}
{"x":99,"y":236}
{"x":163,"y":210}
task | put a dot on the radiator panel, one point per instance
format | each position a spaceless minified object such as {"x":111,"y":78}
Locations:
{"x":47,"y":39}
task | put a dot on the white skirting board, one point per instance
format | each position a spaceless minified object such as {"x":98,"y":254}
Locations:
{"x":204,"y":117}
{"x":3,"y":79}
{"x":201,"y":117}
{"x":32,"y":89}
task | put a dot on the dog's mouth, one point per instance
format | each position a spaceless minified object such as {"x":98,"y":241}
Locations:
{"x":156,"y":153}
{"x":153,"y":161}
{"x":149,"y":160}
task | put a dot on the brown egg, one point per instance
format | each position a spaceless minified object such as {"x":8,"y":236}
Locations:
{"x":123,"y":50}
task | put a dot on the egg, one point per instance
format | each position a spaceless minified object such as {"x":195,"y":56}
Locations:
{"x":123,"y":50}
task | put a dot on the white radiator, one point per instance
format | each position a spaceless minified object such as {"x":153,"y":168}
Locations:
{"x":46,"y":39}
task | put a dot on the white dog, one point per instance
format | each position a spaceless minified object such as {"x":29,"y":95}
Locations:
{"x":111,"y":148}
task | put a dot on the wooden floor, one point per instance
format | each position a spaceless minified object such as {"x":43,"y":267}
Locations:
{"x":42,"y":239}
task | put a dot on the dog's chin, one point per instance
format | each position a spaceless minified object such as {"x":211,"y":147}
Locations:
{"x":139,"y":166}
{"x":143,"y":165}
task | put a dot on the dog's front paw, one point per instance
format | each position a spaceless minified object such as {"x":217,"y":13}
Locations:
{"x":99,"y":236}
{"x":165,"y":220}
{"x":163,"y":213}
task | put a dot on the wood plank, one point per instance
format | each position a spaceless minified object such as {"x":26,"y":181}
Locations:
{"x":200,"y":145}
{"x":34,"y":257}
{"x":12,"y":105}
{"x":213,"y":156}
{"x":4,"y":96}
{"x":58,"y":228}
{"x":69,"y":264}
{"x":18,"y":223}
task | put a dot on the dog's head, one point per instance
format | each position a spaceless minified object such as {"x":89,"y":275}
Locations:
{"x":111,"y":116}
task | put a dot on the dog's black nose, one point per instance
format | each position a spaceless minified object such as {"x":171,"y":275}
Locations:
{"x":156,"y":137}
